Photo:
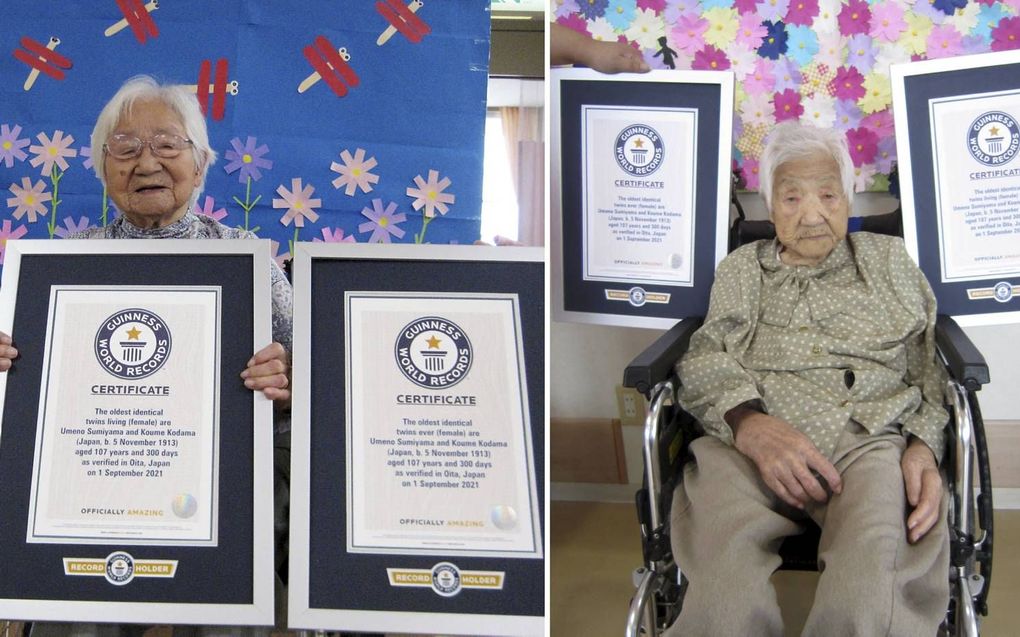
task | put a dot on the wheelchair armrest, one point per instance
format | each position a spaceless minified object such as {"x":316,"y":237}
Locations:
{"x":655,"y":364}
{"x":965,"y":362}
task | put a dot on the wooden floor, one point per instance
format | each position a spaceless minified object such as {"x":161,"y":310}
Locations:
{"x":595,"y":548}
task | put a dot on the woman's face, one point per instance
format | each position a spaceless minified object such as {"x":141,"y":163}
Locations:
{"x":809,"y":209}
{"x":152,"y":191}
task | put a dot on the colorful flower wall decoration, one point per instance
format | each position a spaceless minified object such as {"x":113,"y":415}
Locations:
{"x":824,"y":62}
{"x":295,"y":100}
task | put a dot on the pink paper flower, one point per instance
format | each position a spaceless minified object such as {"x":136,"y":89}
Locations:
{"x":51,"y":152}
{"x":689,"y":33}
{"x":787,"y":105}
{"x":855,"y":17}
{"x":11,"y":145}
{"x":863,"y":145}
{"x":745,"y":6}
{"x":206,"y":209}
{"x":710,"y":59}
{"x":751,"y":30}
{"x":28,"y":199}
{"x":280,"y":259}
{"x":6,"y":233}
{"x":355,"y":172}
{"x":762,"y":79}
{"x":944,"y":41}
{"x":802,"y":12}
{"x":887,"y":21}
{"x":848,"y":84}
{"x":655,"y":6}
{"x":298,"y":202}
{"x":429,"y":194}
{"x":750,"y":172}
{"x":1006,"y":35}
{"x":881,"y":122}
{"x":336,"y":235}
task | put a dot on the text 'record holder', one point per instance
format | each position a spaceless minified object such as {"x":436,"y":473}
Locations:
{"x":137,"y":468}
{"x":417,"y":489}
{"x":958,"y":144}
{"x":643,"y":187}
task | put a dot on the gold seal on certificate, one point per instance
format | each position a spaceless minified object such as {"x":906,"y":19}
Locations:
{"x":976,"y":143}
{"x":638,"y":194}
{"x":437,"y":425}
{"x":127,"y":431}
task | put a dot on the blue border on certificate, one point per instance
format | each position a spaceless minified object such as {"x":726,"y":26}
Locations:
{"x":205,"y":575}
{"x":533,"y":497}
{"x":107,"y":540}
{"x":919,"y":89}
{"x":591,"y":296}
{"x":358,"y":581}
{"x":692,"y":203}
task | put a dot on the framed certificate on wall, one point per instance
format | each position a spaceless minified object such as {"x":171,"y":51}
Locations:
{"x":137,"y":467}
{"x":641,"y":177}
{"x":958,"y":140}
{"x":417,"y":494}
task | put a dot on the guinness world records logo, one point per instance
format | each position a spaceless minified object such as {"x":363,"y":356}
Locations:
{"x":994,"y":138}
{"x":120,"y":568}
{"x":433,"y":352}
{"x":446,"y":579}
{"x":132,"y":344}
{"x":639,"y":150}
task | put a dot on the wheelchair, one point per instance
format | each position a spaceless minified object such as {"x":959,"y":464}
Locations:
{"x":668,"y":430}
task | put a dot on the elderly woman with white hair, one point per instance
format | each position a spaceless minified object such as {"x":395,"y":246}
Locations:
{"x":815,"y":378}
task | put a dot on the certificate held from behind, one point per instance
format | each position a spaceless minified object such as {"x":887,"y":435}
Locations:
{"x":127,"y":433}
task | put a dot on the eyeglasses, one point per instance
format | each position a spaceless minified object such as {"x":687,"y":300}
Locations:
{"x":162,"y":145}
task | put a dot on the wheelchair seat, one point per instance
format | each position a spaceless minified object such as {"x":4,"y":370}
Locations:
{"x":669,"y":430}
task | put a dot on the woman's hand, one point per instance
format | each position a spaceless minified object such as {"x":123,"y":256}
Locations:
{"x":268,"y":371}
{"x":7,"y":352}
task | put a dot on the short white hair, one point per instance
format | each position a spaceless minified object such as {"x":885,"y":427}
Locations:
{"x":791,"y":141}
{"x":177,"y":97}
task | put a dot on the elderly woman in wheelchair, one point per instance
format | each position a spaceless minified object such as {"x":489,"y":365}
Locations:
{"x":816,"y":379}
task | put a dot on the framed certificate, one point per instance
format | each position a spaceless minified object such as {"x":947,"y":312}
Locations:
{"x":137,"y":467}
{"x":643,"y":186}
{"x":958,"y":140}
{"x":417,"y":489}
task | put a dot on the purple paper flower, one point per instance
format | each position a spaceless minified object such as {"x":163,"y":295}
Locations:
{"x":788,"y":75}
{"x":565,"y":7}
{"x":848,"y":84}
{"x":206,"y":209}
{"x":11,"y":145}
{"x":863,"y":145}
{"x":774,"y":43}
{"x":772,"y":10}
{"x":855,"y":17}
{"x":885,"y":158}
{"x":677,"y":8}
{"x":928,"y":10}
{"x":592,"y":9}
{"x":848,"y":115}
{"x":86,"y":152}
{"x":881,"y":122}
{"x":802,"y":12}
{"x":860,"y":53}
{"x":887,"y":21}
{"x":710,"y":59}
{"x":336,"y":235}
{"x":70,"y":227}
{"x":1006,"y":36}
{"x":382,"y":222}
{"x":7,"y":233}
{"x":247,"y":158}
{"x":787,"y":105}
{"x":944,"y":41}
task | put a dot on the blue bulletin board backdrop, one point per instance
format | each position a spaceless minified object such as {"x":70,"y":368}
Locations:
{"x":388,"y":149}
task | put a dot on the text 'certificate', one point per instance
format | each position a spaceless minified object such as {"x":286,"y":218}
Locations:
{"x":438,"y":435}
{"x":976,"y":142}
{"x":639,"y":194}
{"x":128,"y":420}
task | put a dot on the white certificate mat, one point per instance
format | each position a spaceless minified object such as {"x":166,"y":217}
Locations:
{"x":976,"y":144}
{"x":438,"y":432}
{"x":639,"y":194}
{"x":127,"y":437}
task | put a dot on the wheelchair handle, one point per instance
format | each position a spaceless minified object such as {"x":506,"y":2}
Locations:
{"x":660,"y":394}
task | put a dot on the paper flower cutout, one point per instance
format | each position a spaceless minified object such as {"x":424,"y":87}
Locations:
{"x":752,"y":179}
{"x":787,"y":75}
{"x":802,"y":12}
{"x":861,"y":53}
{"x":52,"y":151}
{"x":855,"y":17}
{"x":887,"y":21}
{"x":70,"y":227}
{"x":7,"y":233}
{"x":762,"y":79}
{"x":592,"y":9}
{"x":787,"y":105}
{"x":655,"y":6}
{"x":722,"y":27}
{"x":885,"y":157}
{"x":429,"y":194}
{"x":863,"y":176}
{"x":802,"y":44}
{"x":988,"y":19}
{"x":689,"y":34}
{"x":620,"y":13}
{"x":772,"y":10}
{"x":830,"y":50}
{"x":949,"y":7}
{"x":28,"y":199}
{"x":601,"y":30}
{"x":11,"y":145}
{"x":247,"y":158}
{"x":944,"y":41}
{"x":742,"y":60}
{"x":710,"y":59}
{"x":336,"y":235}
{"x":1006,"y":36}
{"x":757,"y":109}
{"x":298,"y":202}
{"x":751,"y":30}
{"x":819,"y":110}
{"x":355,"y":172}
{"x":86,"y":153}
{"x":382,"y":222}
{"x":206,"y":209}
{"x":915,"y":38}
{"x":646,"y":29}
{"x":863,"y":145}
{"x":878,"y":93}
{"x":280,"y":259}
{"x":848,"y":115}
{"x":848,"y":83}
{"x":774,"y":43}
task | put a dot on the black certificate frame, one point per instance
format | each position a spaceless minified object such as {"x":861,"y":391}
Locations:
{"x":229,"y":583}
{"x":917,"y":86}
{"x":602,"y":301}
{"x":330,"y":587}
